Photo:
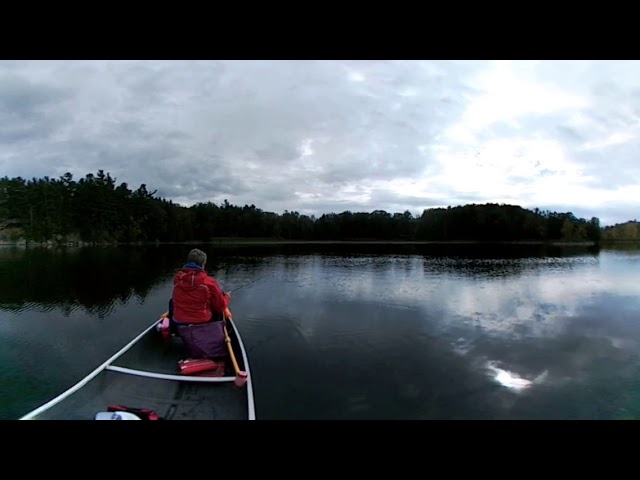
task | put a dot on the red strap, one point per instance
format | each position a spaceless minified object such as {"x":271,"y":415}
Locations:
{"x":145,"y":412}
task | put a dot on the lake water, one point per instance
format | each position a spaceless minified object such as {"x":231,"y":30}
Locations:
{"x":351,"y":332}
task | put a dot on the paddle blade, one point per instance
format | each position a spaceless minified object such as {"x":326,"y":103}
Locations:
{"x":241,"y":379}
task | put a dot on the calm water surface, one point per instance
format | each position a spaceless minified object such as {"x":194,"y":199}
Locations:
{"x":377,"y":332}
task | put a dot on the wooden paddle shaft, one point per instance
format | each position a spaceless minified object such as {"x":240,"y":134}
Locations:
{"x":231,"y":354}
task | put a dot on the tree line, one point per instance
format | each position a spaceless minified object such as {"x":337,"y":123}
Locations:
{"x":622,"y":232}
{"x":96,"y":209}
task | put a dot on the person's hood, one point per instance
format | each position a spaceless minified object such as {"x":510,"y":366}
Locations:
{"x":186,"y":277}
{"x":192,"y":265}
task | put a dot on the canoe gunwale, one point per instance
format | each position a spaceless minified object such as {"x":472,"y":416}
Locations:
{"x":91,"y":376}
{"x":245,"y":360}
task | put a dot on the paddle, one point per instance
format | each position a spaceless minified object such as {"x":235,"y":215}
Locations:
{"x":241,"y":375}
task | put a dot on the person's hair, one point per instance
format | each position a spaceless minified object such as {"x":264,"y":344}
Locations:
{"x":197,"y":256}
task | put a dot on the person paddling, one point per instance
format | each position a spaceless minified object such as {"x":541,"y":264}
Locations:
{"x":198,"y":308}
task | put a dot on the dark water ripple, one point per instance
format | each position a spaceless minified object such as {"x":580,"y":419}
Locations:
{"x":379,"y":332}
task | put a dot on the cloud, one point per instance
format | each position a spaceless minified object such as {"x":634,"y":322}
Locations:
{"x":317,"y":135}
{"x":29,"y":110}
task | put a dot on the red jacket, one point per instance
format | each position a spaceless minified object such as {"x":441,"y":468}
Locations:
{"x":196,"y":296}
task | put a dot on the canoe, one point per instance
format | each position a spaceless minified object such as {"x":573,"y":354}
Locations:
{"x":145,"y":375}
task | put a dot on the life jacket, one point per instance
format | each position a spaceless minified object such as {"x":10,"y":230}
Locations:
{"x":191,"y":296}
{"x":196,"y":296}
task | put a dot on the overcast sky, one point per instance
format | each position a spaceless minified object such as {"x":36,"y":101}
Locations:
{"x":329,"y":136}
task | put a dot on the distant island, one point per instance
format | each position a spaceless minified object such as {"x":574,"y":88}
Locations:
{"x":94,"y":210}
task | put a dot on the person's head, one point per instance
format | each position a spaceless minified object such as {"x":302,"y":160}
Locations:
{"x":198,"y":257}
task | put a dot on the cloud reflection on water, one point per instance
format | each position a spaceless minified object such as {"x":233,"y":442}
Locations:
{"x":497,"y":312}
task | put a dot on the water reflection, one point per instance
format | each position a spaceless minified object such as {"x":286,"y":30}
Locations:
{"x":374,"y":332}
{"x":93,"y":279}
{"x":516,"y":294}
{"x":500,"y":337}
{"x":96,"y":279}
{"x":63,"y":312}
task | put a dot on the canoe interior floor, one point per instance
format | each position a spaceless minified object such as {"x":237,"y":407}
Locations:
{"x":171,"y":400}
{"x":154,"y":354}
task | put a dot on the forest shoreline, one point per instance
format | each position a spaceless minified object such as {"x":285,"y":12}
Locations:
{"x":250,"y":241}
